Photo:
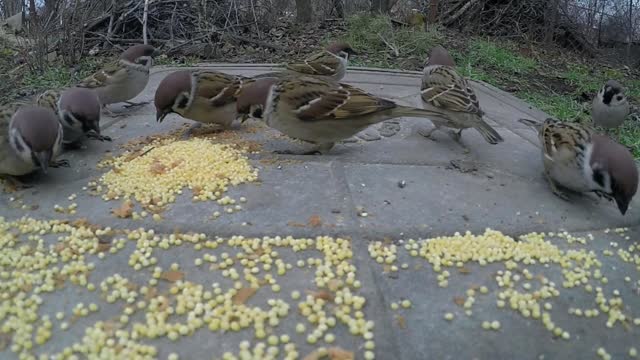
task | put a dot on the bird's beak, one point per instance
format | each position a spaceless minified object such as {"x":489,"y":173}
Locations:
{"x":43,"y":158}
{"x":622,"y":202}
{"x":160,"y":115}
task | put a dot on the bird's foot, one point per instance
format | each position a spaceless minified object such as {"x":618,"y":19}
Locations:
{"x":131,"y":104}
{"x":455,"y":135}
{"x":60,"y":163}
{"x":94,"y":136}
{"x":290,"y":152}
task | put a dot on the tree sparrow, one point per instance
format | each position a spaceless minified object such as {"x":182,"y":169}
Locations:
{"x":330,"y":63}
{"x":30,"y":138}
{"x":207,"y":96}
{"x":579,"y":159}
{"x":125,"y":79}
{"x":448,"y":94}
{"x":317,"y":111}
{"x":610,"y":106}
{"x":78,"y":111}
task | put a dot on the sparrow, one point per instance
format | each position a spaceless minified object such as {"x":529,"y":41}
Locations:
{"x":30,"y":138}
{"x":125,"y":79}
{"x":78,"y":111}
{"x":317,"y":111}
{"x":206,"y":96}
{"x":330,"y":64}
{"x":579,"y":159}
{"x":448,"y":94}
{"x":610,"y":106}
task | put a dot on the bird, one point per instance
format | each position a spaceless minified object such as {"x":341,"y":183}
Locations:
{"x":330,"y":63}
{"x":206,"y":96}
{"x":124,"y":80}
{"x":610,"y":106}
{"x":30,"y":138}
{"x":78,"y":111}
{"x":317,"y":111}
{"x":450,"y":96}
{"x":578,"y":158}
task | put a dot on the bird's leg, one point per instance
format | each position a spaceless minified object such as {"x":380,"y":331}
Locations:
{"x":456,"y":135}
{"x":59,"y":163}
{"x":111,"y":113}
{"x":131,"y":104}
{"x":554,"y":188}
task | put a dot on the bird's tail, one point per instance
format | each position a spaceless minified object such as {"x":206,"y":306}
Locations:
{"x":488,"y":133}
{"x":537,"y":125}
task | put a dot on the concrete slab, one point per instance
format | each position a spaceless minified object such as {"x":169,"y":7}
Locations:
{"x":394,"y":187}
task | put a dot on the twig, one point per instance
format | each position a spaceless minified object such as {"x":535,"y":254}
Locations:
{"x":145,"y":15}
{"x":393,"y":48}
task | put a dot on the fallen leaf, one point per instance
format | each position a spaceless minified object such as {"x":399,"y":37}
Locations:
{"x":296,"y":224}
{"x":82,"y":222}
{"x":104,"y":246}
{"x":459,"y":300}
{"x":315,"y":221}
{"x":60,"y":247}
{"x":157,"y":168}
{"x":172,"y":275}
{"x":464,"y":270}
{"x":386,"y":268}
{"x":151,"y":293}
{"x":334,"y":285}
{"x":124,"y":211}
{"x":402,"y":322}
{"x":197,"y":190}
{"x":243,"y":295}
{"x":333,"y":353}
{"x":321,"y":294}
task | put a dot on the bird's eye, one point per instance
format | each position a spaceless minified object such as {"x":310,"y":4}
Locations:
{"x":143,"y":61}
{"x":183,"y":102}
{"x":619,"y":98}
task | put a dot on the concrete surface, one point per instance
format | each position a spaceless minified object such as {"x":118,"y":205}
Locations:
{"x":448,"y":189}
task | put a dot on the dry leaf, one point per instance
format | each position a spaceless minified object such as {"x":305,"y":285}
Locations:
{"x":464,"y":270}
{"x":315,"y":221}
{"x":334,"y":285}
{"x":104,"y":246}
{"x":124,"y":211}
{"x":333,"y":353}
{"x":172,"y":275}
{"x":157,"y":168}
{"x":459,"y":300}
{"x":386,"y":268}
{"x":296,"y":224}
{"x":82,"y":222}
{"x":321,"y":294}
{"x":402,"y":322}
{"x":243,"y":295}
{"x":151,"y":293}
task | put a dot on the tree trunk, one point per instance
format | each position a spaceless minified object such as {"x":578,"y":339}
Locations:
{"x":380,"y":6}
{"x":304,"y":11}
{"x":630,"y":33}
{"x":32,"y":11}
{"x":338,"y":8}
{"x":551,"y":20}
{"x":433,"y":12}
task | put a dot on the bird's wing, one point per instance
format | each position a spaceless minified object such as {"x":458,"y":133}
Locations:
{"x":444,"y":88}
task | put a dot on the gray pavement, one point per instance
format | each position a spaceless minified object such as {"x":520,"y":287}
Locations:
{"x":448,"y":189}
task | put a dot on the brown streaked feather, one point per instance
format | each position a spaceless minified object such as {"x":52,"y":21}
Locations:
{"x":326,"y":100}
{"x":322,"y":63}
{"x":103,"y":77}
{"x":443,"y":87}
{"x":220,"y":88}
{"x":49,"y":99}
{"x":561,"y":140}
